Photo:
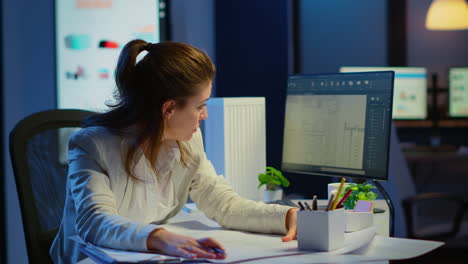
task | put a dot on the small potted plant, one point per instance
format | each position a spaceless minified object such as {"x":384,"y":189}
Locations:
{"x":273,"y":179}
{"x":360,"y":192}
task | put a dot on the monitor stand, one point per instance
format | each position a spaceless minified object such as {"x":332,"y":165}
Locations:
{"x":389,"y":204}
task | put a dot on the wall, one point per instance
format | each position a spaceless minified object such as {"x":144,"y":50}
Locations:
{"x":193,"y":23}
{"x":2,"y":166}
{"x":29,"y":77}
{"x":341,"y":33}
{"x":28,"y":87}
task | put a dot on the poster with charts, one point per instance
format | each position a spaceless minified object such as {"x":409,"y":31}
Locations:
{"x":89,"y":37}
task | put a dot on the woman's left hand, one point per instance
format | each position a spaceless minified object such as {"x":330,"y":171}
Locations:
{"x":291,"y":225}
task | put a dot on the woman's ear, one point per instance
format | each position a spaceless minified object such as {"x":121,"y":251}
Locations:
{"x":168,"y":108}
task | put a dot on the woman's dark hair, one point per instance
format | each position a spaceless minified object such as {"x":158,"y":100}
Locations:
{"x":169,"y":71}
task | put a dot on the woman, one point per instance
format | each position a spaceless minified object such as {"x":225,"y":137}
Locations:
{"x":132,"y":168}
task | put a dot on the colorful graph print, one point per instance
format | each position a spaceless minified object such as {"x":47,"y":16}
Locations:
{"x":91,"y":4}
{"x":75,"y":74}
{"x":103,"y":74}
{"x":146,"y":33}
{"x":90,"y":34}
{"x":108,"y":44}
{"x":77,"y":42}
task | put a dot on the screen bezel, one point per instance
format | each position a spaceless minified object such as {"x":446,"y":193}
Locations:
{"x":387,"y":139}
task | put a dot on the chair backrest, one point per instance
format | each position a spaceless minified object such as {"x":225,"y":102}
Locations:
{"x":38,"y":150}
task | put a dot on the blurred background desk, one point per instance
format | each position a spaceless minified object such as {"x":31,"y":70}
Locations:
{"x":441,"y":169}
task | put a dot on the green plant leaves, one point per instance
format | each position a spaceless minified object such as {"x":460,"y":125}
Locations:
{"x":272,"y":178}
{"x":360,"y":192}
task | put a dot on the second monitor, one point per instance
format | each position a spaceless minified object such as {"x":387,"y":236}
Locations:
{"x":458,"y":92}
{"x":410,"y":95}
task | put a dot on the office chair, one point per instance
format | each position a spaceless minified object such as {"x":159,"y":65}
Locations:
{"x":443,"y":224}
{"x":431,"y":216}
{"x":38,"y":151}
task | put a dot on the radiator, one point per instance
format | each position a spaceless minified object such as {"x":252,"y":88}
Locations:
{"x":234,"y":136}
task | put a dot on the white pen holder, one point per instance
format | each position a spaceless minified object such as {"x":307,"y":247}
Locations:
{"x":356,"y":221}
{"x":321,"y":230}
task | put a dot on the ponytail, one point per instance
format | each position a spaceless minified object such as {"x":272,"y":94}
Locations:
{"x":125,"y":70}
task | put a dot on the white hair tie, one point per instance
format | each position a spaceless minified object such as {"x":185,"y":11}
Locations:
{"x":140,"y":56}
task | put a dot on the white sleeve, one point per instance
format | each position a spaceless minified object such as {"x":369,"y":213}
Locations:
{"x":97,"y":219}
{"x":213,"y":195}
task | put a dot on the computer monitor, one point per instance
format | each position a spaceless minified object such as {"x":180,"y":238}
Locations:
{"x":410,"y":95}
{"x":458,"y":92}
{"x":338,"y":124}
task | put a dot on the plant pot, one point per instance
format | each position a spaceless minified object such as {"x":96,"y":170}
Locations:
{"x":269,"y":195}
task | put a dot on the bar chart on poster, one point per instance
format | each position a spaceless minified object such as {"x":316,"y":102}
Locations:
{"x":89,"y":37}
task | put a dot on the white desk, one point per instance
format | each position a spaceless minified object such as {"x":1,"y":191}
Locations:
{"x":381,"y":222}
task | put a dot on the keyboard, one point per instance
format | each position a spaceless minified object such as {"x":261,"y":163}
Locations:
{"x":286,"y":202}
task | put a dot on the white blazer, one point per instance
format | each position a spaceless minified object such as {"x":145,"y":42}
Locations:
{"x":107,"y":208}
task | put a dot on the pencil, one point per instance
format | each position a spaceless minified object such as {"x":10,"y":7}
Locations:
{"x":344,"y":198}
{"x":338,"y":193}
{"x":330,"y":202}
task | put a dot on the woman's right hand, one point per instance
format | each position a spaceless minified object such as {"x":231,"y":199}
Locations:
{"x":168,"y":243}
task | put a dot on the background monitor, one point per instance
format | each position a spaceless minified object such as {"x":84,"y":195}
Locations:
{"x":458,"y":92}
{"x":338,"y":124}
{"x":410,"y":95}
{"x":89,"y":37}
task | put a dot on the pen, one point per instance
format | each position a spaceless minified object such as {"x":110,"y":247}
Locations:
{"x":218,"y":250}
{"x":314,"y":203}
{"x":338,"y":193}
{"x":344,"y":198}
{"x":307,"y":206}
{"x":330,"y":202}
{"x":300,"y":205}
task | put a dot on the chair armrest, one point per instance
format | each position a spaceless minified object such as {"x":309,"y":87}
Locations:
{"x":410,"y":202}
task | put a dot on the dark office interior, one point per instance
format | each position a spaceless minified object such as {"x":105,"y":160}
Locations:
{"x":255,"y":45}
